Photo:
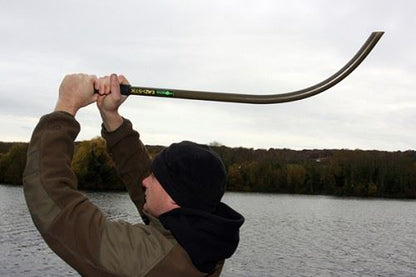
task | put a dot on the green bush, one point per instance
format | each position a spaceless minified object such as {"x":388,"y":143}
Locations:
{"x":12,"y":164}
{"x":94,"y":167}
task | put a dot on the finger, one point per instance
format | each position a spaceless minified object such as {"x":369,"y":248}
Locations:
{"x":97,"y":84}
{"x":106,"y":85}
{"x":100,"y":100}
{"x":95,"y":97}
{"x":100,"y":86}
{"x":123,"y":80}
{"x":93,"y":80}
{"x":115,"y":86}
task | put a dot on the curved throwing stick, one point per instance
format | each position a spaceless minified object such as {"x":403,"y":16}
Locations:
{"x":265,"y":98}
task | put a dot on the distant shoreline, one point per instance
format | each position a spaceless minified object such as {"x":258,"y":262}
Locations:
{"x":357,"y":173}
{"x":256,"y":192}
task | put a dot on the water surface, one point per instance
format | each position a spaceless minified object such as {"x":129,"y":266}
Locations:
{"x":283,"y":235}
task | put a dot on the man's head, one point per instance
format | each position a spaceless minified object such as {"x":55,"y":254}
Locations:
{"x":192,"y":175}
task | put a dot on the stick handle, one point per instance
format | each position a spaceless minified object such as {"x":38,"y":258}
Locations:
{"x":129,"y":90}
{"x":124,"y":90}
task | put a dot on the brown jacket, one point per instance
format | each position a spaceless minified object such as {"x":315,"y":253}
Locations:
{"x":76,"y":229}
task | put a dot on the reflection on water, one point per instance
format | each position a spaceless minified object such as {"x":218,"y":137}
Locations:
{"x":283,"y":236}
{"x":322,"y":236}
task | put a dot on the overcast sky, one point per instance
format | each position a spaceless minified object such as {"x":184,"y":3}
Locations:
{"x":256,"y":47}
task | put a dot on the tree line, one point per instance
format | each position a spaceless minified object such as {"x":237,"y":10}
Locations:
{"x":328,"y":172}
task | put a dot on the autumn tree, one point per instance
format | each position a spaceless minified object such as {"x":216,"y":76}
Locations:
{"x":94,"y":167}
{"x":12,"y":164}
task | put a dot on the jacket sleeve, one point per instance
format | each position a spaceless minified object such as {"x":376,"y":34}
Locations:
{"x":131,"y":158}
{"x":71,"y":225}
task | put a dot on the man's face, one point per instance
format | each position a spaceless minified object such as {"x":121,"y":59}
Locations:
{"x":158,"y":200}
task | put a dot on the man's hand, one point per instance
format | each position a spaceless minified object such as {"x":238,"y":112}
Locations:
{"x":76,"y":91}
{"x":110,"y":99}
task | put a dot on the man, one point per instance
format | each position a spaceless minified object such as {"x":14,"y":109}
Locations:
{"x":188,"y":231}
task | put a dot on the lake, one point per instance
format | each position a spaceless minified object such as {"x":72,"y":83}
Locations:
{"x":284,"y":235}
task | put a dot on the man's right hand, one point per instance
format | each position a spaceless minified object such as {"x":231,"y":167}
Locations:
{"x":76,"y":91}
{"x":110,"y":99}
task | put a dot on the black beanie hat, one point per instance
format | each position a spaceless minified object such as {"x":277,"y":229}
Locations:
{"x":192,"y":174}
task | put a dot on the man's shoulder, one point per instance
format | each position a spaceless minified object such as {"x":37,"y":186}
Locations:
{"x":133,"y":247}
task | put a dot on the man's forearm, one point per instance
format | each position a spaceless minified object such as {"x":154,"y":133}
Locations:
{"x":131,"y":159}
{"x":111,"y":121}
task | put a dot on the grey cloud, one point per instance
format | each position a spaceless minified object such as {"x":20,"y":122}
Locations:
{"x":237,"y":46}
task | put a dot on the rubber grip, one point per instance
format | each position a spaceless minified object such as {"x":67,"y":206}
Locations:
{"x":124,"y":89}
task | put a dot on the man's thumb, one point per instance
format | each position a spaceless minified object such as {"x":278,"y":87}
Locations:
{"x":115,"y":85}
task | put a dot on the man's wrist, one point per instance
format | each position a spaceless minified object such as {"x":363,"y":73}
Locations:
{"x":60,"y":107}
{"x":111,"y":121}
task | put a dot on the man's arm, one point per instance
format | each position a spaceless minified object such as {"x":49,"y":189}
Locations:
{"x":70,"y":224}
{"x":123,"y":143}
{"x":131,"y":159}
{"x":67,"y":221}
